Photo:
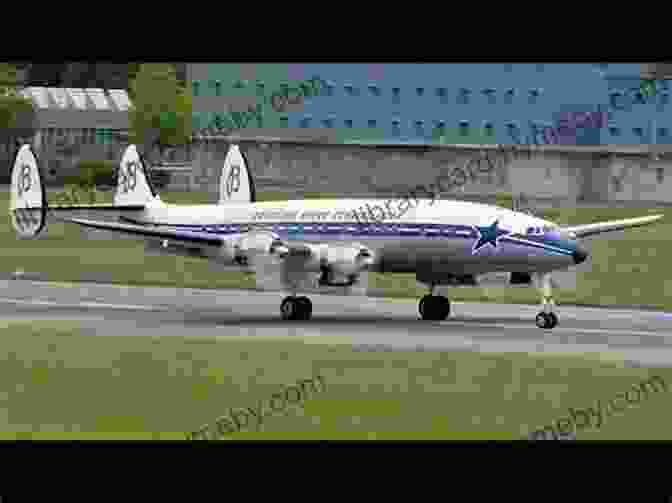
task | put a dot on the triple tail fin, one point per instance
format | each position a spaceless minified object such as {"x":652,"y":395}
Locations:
{"x":134,"y":187}
{"x":28,"y":199}
{"x":235,"y":183}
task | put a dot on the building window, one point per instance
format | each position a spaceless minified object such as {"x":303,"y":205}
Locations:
{"x":330,"y":88}
{"x":464,"y":128}
{"x":375,"y":90}
{"x":508,"y":68}
{"x":284,"y":121}
{"x":539,"y":67}
{"x":490,"y":95}
{"x":350,"y":90}
{"x":509,"y":95}
{"x":638,"y":131}
{"x":196,"y":86}
{"x":514,"y":132}
{"x":442,"y":94}
{"x":533,"y":96}
{"x":239,"y":84}
{"x":489,"y":129}
{"x":348,"y":123}
{"x":218,"y":87}
{"x":419,"y":127}
{"x":305,"y":121}
{"x":440,"y":128}
{"x":260,"y":88}
{"x":396,"y":128}
{"x":372,"y":123}
{"x":420,"y":91}
{"x":328,"y":122}
{"x":662,"y":132}
{"x":463,"y":96}
{"x":614,"y":131}
{"x":615,"y":100}
{"x":396,"y":95}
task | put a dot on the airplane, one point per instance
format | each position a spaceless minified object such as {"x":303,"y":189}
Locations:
{"x":317,"y":245}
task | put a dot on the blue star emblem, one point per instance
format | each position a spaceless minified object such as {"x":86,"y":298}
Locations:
{"x":488,"y":235}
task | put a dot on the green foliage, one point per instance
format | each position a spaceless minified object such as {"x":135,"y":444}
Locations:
{"x":162,"y":109}
{"x":96,"y":173}
{"x":17,"y":113}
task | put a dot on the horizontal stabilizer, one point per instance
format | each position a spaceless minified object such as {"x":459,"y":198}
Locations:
{"x":98,"y":207}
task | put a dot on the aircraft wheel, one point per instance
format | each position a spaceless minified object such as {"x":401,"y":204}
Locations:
{"x":546,"y":320}
{"x":305,"y":308}
{"x":296,"y":308}
{"x":290,"y":308}
{"x":434,"y":307}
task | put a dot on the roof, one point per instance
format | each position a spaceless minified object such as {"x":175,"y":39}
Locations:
{"x":83,"y":100}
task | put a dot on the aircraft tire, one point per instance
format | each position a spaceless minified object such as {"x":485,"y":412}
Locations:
{"x":546,"y":320}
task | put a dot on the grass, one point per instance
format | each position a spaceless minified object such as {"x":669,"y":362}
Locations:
{"x":59,"y":382}
{"x":628,"y":269}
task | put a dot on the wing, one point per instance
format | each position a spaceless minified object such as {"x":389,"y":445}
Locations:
{"x":235,"y":248}
{"x":277,"y":265}
{"x":581,"y":231}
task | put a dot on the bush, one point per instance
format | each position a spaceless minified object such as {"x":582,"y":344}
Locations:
{"x":94,"y":173}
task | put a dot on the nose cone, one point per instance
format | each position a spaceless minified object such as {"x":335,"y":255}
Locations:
{"x":580,"y":254}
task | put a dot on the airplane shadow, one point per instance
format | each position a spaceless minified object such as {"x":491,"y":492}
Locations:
{"x":197,"y":318}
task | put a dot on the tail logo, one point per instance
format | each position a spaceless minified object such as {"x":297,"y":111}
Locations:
{"x":25,"y":181}
{"x":233,"y":180}
{"x":128,"y":177}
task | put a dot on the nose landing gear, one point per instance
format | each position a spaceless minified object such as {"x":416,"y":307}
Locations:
{"x":296,"y":308}
{"x":546,"y":318}
{"x":434,"y":307}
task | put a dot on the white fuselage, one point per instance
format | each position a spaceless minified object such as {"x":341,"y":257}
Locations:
{"x":439,"y":235}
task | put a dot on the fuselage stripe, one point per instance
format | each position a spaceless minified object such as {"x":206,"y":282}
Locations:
{"x":355,"y":230}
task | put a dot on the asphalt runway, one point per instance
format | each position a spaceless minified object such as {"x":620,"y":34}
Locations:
{"x":640,"y":338}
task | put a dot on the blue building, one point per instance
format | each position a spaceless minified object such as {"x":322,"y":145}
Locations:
{"x":434,"y":103}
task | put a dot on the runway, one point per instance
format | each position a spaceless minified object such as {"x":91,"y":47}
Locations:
{"x":640,"y":338}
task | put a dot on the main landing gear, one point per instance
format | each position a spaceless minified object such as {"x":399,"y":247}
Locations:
{"x":546,"y":318}
{"x":434,"y":307}
{"x":296,"y":308}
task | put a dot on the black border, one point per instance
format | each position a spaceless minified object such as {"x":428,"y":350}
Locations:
{"x":376,"y":466}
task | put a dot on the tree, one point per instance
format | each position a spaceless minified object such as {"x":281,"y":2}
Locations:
{"x":161,"y":113}
{"x":18,"y":118}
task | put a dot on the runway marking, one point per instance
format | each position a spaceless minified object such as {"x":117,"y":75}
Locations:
{"x":573,"y":330}
{"x":83,"y":304}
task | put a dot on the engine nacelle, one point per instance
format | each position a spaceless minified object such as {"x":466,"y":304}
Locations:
{"x":338,"y":265}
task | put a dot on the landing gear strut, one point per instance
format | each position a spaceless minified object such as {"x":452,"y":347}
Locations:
{"x":546,"y":318}
{"x":434,"y":307}
{"x":296,"y":308}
